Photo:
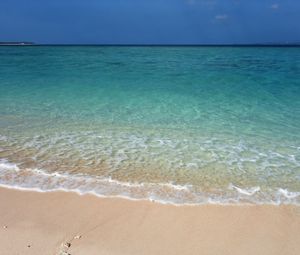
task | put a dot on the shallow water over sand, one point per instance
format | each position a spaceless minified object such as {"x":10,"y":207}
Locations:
{"x":177,"y":124}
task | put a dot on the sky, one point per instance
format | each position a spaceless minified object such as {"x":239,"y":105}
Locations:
{"x":150,"y":21}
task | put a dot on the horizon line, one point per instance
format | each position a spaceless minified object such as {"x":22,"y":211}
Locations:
{"x":28,"y":43}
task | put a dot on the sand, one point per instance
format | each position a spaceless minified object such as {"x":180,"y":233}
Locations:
{"x":41,"y":223}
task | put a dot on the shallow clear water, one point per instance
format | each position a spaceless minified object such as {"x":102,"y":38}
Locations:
{"x":176,"y":124}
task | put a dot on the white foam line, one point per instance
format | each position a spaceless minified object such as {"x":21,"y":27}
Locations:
{"x":150,"y":199}
{"x":9,"y":168}
{"x":230,"y":202}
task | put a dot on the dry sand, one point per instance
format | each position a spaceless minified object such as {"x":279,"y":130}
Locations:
{"x":40,"y":223}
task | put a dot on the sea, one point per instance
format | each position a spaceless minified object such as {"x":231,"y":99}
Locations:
{"x":180,"y":125}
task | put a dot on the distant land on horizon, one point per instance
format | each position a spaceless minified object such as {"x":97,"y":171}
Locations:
{"x":16,"y":43}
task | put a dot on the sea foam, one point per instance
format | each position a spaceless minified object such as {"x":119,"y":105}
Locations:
{"x":167,"y":193}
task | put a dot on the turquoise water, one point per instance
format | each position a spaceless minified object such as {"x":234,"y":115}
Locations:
{"x":174,"y":124}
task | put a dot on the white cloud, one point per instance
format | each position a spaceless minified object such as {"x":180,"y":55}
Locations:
{"x":274,"y":6}
{"x":221,"y":17}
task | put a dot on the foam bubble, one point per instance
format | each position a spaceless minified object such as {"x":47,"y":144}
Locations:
{"x":4,"y":164}
{"x":248,"y":192}
{"x":288,"y":194}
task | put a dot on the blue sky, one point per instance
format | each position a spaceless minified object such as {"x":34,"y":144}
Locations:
{"x":150,"y":21}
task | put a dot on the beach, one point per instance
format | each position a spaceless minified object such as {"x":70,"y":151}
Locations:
{"x":57,"y":222}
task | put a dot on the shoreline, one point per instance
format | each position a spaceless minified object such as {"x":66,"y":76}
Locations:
{"x":163,"y":193}
{"x":150,"y":200}
{"x":42,"y":222}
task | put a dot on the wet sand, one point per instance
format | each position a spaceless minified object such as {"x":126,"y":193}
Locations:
{"x":66,"y":223}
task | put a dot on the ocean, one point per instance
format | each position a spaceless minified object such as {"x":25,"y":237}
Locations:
{"x":182,"y":125}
